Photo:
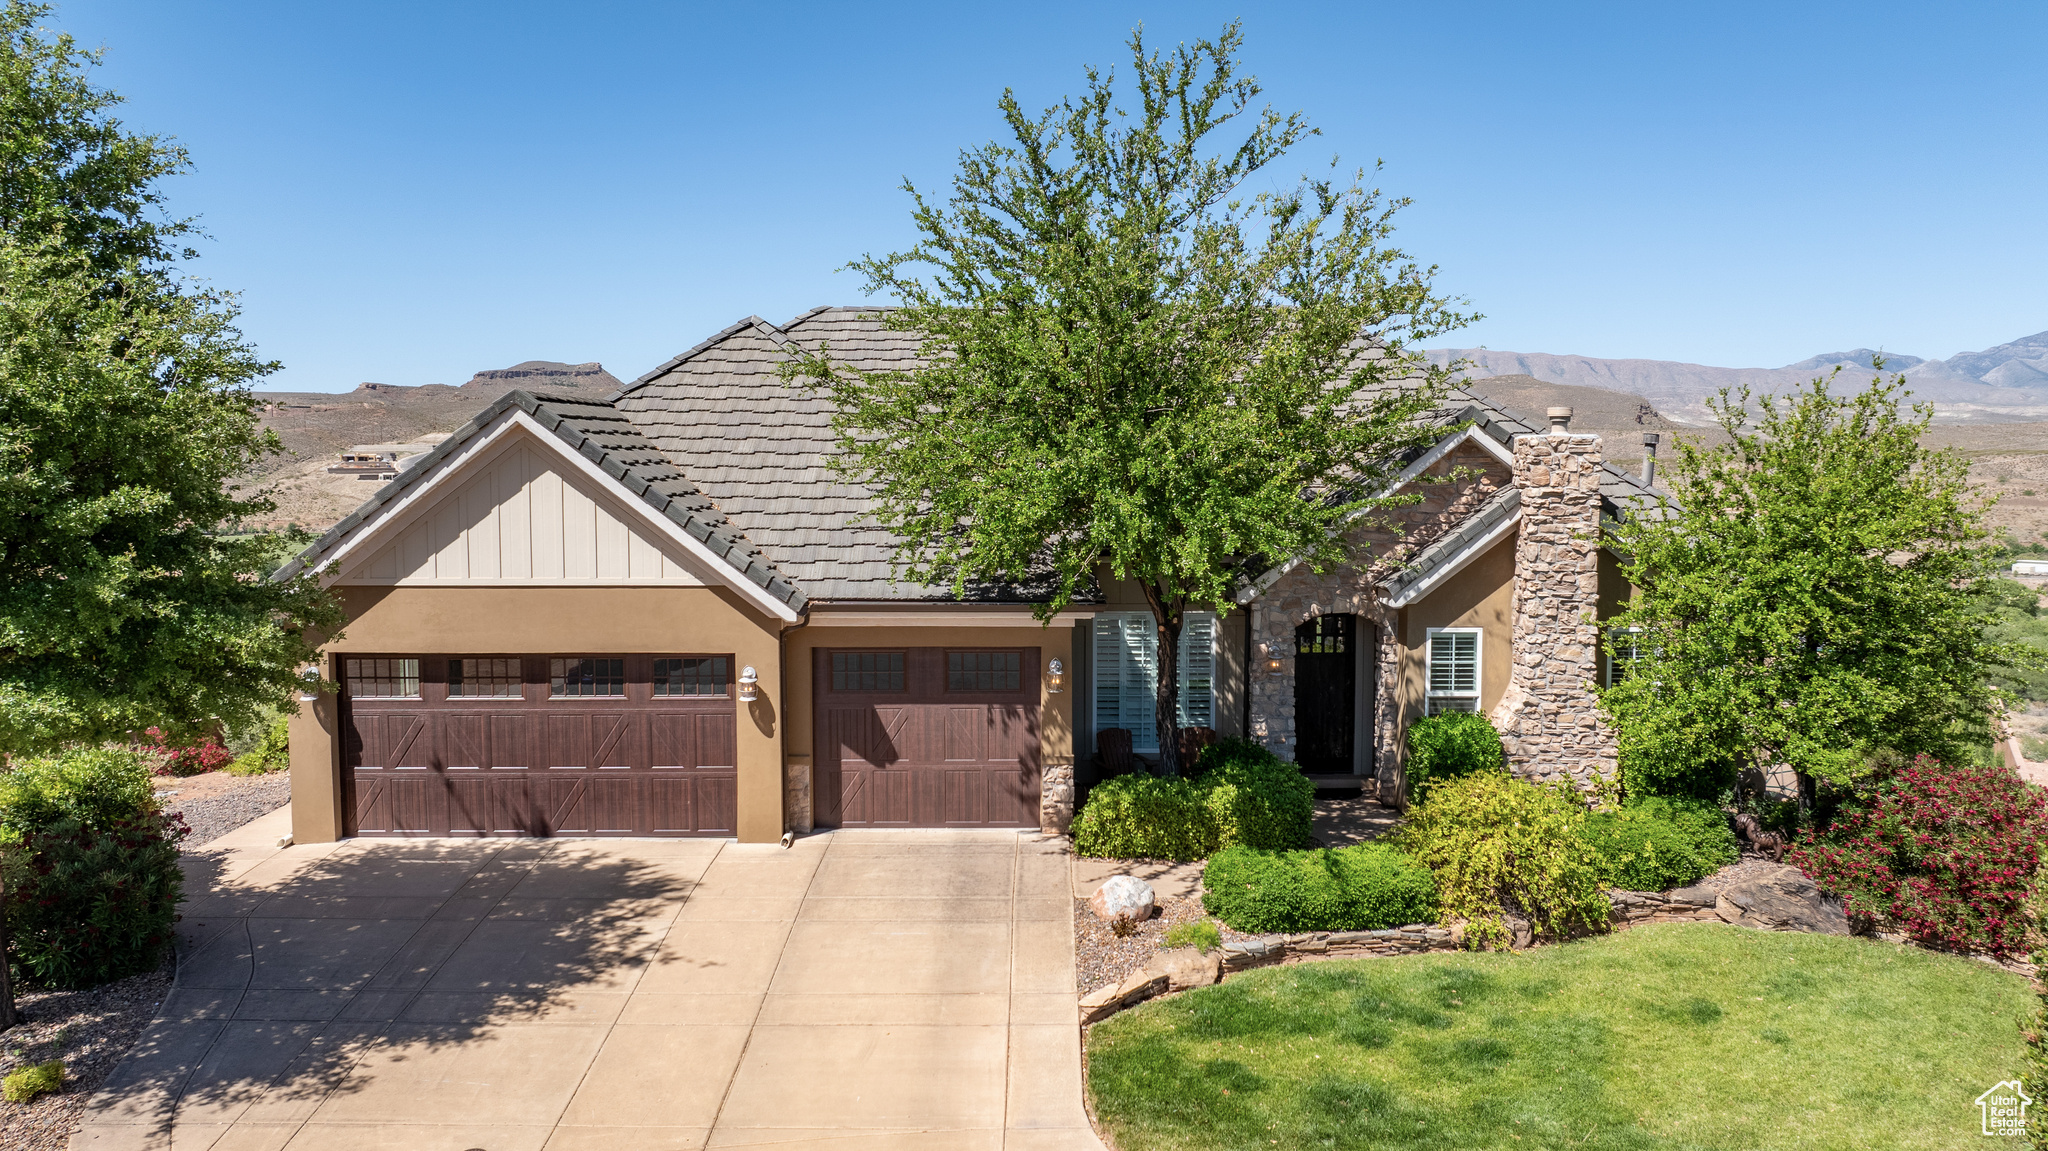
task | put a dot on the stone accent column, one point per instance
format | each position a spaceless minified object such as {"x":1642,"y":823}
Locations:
{"x":1056,"y":798}
{"x":1547,"y":716}
{"x":796,"y":776}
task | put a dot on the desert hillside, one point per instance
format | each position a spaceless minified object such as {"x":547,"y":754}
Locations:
{"x":317,"y":426}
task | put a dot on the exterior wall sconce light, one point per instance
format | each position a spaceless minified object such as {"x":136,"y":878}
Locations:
{"x":309,"y":683}
{"x":1055,"y":673}
{"x":1273,"y":665}
{"x":748,"y":678}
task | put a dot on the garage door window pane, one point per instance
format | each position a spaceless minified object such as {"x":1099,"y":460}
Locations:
{"x":867,"y":671}
{"x":383,"y":678}
{"x":579,"y":678}
{"x":690,"y":676}
{"x":483,"y":678}
{"x":984,"y":670}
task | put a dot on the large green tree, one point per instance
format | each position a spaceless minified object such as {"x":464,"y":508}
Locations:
{"x":125,"y":417}
{"x":1128,"y":360}
{"x":1806,"y":597}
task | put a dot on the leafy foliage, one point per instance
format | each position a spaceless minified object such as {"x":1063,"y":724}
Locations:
{"x":1500,"y":845}
{"x":1145,"y":817}
{"x":1362,"y":888}
{"x":186,"y":757}
{"x":1204,"y":936}
{"x":1244,"y":795}
{"x":125,"y":417}
{"x":1128,"y":360}
{"x":272,"y":750}
{"x":1255,"y":798}
{"x":1656,"y":843}
{"x":1449,"y":745}
{"x":1804,"y":598}
{"x":91,"y":866}
{"x":25,"y":1083}
{"x":1947,"y":855}
{"x":2011,"y":614}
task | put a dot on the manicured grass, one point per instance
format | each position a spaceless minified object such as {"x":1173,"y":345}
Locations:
{"x":1669,"y":1036}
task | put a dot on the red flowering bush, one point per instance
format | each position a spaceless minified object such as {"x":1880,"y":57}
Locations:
{"x":1946,"y":855}
{"x":187,"y":759}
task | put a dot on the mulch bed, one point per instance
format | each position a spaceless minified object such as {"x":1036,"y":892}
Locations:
{"x":91,"y":1030}
{"x":1101,"y":958}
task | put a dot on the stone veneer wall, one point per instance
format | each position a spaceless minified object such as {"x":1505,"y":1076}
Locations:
{"x":1547,"y":717}
{"x":1301,"y":594}
{"x":1056,"y":798}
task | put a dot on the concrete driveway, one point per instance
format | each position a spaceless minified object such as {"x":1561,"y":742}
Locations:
{"x":858,"y":990}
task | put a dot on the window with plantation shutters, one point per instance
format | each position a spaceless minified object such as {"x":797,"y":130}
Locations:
{"x":1127,"y":674}
{"x":1453,"y":672}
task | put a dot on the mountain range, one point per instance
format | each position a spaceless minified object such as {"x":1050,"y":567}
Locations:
{"x":2006,"y":383}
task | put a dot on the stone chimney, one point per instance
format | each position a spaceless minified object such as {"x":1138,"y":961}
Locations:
{"x":1546,"y":716}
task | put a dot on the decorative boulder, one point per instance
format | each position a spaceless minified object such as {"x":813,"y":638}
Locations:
{"x":1186,"y":967}
{"x":1783,"y":900}
{"x":1123,"y":897}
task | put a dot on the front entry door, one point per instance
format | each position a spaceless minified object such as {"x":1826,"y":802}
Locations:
{"x":1325,"y":693}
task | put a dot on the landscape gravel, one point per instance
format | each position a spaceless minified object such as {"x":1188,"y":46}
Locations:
{"x":91,"y":1030}
{"x":213,"y":811}
{"x":1101,"y":958}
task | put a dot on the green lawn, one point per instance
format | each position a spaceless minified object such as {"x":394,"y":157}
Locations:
{"x":1670,"y":1036}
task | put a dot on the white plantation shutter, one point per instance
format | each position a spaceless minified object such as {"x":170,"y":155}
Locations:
{"x":1198,"y":670}
{"x":1127,"y":673}
{"x":1453,"y":671}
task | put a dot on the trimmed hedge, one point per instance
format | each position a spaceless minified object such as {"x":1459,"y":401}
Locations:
{"x":1657,"y":843}
{"x":1361,"y":888}
{"x":1239,"y":795}
{"x":91,"y":866}
{"x":1450,"y":745}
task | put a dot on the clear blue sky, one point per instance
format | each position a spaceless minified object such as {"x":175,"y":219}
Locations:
{"x":409,"y":192}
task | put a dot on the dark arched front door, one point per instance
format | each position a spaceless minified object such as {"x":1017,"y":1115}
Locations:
{"x":1326,"y":693}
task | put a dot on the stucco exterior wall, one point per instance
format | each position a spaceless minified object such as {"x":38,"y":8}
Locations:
{"x":565,"y":620}
{"x":1481,"y":596}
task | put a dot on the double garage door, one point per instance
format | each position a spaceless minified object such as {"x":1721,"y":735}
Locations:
{"x":539,"y":745}
{"x":926,"y":737}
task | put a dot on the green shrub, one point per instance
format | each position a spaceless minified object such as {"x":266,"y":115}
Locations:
{"x":1240,"y":794}
{"x":1361,"y":888}
{"x":1256,"y":798}
{"x":1145,"y":817}
{"x":1656,"y":843}
{"x":1499,"y":845}
{"x":1204,"y":936}
{"x":26,"y":1083}
{"x":91,"y":866}
{"x":1446,"y":746}
{"x":271,"y":752}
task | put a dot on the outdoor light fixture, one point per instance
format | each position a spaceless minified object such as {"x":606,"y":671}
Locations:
{"x":309,"y":683}
{"x":1054,"y":673}
{"x":748,"y":679}
{"x":1272,"y":665}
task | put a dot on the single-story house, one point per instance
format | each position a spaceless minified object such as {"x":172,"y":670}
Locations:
{"x":662,"y":614}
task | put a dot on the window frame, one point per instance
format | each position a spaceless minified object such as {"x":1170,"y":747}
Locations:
{"x":658,"y":684}
{"x":832,"y":672}
{"x":625,"y":677}
{"x":1145,"y":740}
{"x":952,"y":652}
{"x":1617,"y":669}
{"x":456,"y":678}
{"x":1436,"y":702}
{"x":349,"y":680}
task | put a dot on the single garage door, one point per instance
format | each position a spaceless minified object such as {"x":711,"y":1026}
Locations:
{"x":926,"y":737}
{"x":539,"y":745}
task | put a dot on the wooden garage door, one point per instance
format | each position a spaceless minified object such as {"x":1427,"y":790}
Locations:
{"x":539,"y":745}
{"x":926,"y":737}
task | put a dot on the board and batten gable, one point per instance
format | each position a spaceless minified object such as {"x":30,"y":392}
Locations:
{"x":518,"y":517}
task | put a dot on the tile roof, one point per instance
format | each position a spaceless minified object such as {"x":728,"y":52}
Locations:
{"x":604,"y":435}
{"x":1503,"y":505}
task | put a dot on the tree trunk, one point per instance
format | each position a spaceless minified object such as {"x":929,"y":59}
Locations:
{"x":1166,"y":701}
{"x":8,"y":1015}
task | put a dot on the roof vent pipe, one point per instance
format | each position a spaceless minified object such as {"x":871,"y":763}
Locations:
{"x":1560,"y":421}
{"x":1650,"y":457}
